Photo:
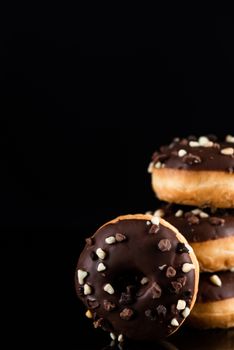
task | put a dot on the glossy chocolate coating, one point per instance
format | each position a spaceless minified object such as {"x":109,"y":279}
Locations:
{"x":196,"y":158}
{"x":207,"y":291}
{"x":152,"y":305}
{"x":219,"y":224}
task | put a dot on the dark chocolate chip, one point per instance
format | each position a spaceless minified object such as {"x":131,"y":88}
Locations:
{"x":191,"y":159}
{"x":154,"y":229}
{"x":193,"y":219}
{"x":93,"y":303}
{"x":93,"y":256}
{"x":182,"y":280}
{"x":181,"y":248}
{"x":126,"y":314}
{"x":156,"y":291}
{"x":177,"y":286}
{"x":98,"y":323}
{"x":120,"y":237}
{"x":170,"y":272}
{"x":212,"y":137}
{"x":174,"y":310}
{"x":89,"y":241}
{"x":108,"y":305}
{"x":216,"y":221}
{"x":80,"y":291}
{"x":187,"y":294}
{"x":150,"y":314}
{"x":161,"y":310}
{"x":126,"y":299}
{"x":164,"y":245}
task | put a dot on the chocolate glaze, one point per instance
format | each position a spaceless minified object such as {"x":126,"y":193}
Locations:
{"x":139,"y":310}
{"x":204,"y":229}
{"x":207,"y":291}
{"x":196,"y":158}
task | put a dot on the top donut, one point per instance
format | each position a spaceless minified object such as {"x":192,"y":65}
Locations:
{"x":195,"y":171}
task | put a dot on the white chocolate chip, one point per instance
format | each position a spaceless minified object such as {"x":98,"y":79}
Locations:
{"x":148,"y":222}
{"x":150,"y":167}
{"x":108,"y":288}
{"x":148,"y":212}
{"x":232,"y":269}
{"x":120,"y":338}
{"x":110,"y":240}
{"x":100,"y":253}
{"x":187,"y":267}
{"x":159,"y":212}
{"x":158,"y":165}
{"x":216,"y":280}
{"x":87,"y":289}
{"x":112,"y":335}
{"x":89,"y":314}
{"x":174,"y":322}
{"x":179,"y":213}
{"x":186,"y":312}
{"x":182,"y":152}
{"x":155,"y":220}
{"x":144,"y":280}
{"x":229,"y":151}
{"x":196,"y":211}
{"x":81,"y":276}
{"x":205,"y":142}
{"x":230,"y":138}
{"x":101,"y":267}
{"x":181,"y":304}
{"x":162,"y":267}
{"x":194,"y":144}
{"x":203,"y":215}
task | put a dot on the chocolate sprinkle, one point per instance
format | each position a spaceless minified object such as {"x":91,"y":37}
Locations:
{"x":170,"y":272}
{"x":108,"y":305}
{"x":193,"y":219}
{"x":126,"y":314}
{"x":93,"y":303}
{"x":156,"y":291}
{"x":182,"y":280}
{"x":154,"y":229}
{"x":161,"y":310}
{"x":89,"y":241}
{"x":164,"y":245}
{"x":120,"y":237}
{"x":191,"y":159}
{"x":216,"y":221}
{"x":177,"y":286}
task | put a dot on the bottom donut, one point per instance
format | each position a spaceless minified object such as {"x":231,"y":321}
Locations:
{"x":215,"y":301}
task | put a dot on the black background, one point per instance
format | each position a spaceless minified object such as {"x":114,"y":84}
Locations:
{"x":78,"y":127}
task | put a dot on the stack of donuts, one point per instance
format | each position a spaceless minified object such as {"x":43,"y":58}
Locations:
{"x":194,"y":177}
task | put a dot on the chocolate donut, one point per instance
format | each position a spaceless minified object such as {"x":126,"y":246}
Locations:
{"x":138,"y":278}
{"x":215,"y":301}
{"x":210,"y":233}
{"x":195,"y":171}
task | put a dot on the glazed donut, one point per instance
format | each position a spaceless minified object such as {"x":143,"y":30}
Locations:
{"x":215,"y":301}
{"x":138,"y":277}
{"x":210,"y":233}
{"x":195,"y":171}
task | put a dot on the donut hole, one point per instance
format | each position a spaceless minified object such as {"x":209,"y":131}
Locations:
{"x":127,"y":284}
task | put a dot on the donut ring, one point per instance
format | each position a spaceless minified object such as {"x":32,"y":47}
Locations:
{"x":210,"y":233}
{"x":215,"y":301}
{"x":195,"y":171}
{"x":135,"y":270}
